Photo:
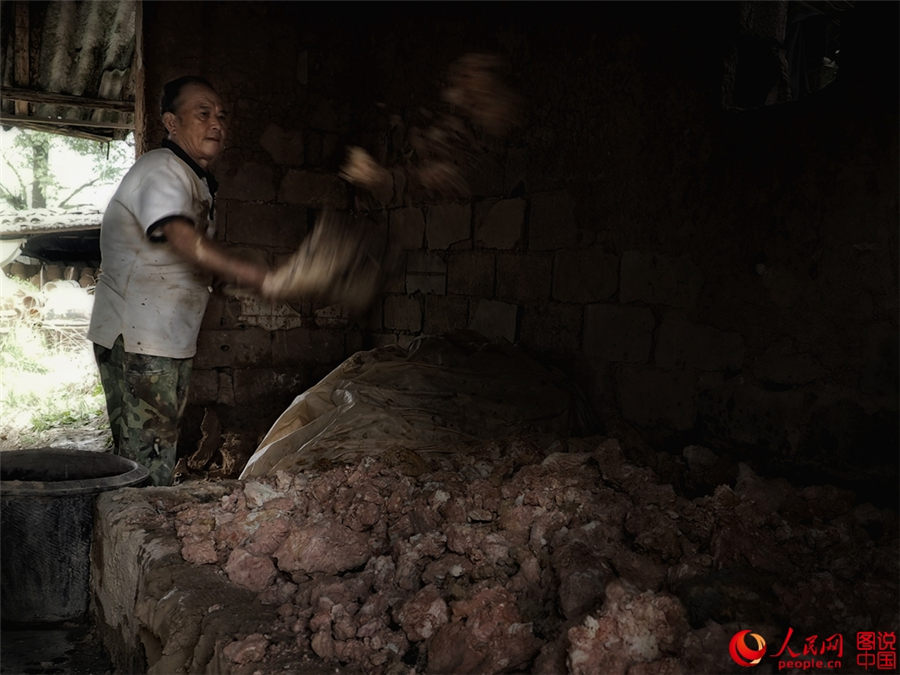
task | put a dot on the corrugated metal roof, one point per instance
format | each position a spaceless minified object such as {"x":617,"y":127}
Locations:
{"x":68,"y":66}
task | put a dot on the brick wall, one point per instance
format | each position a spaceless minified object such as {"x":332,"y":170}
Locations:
{"x":711,"y":276}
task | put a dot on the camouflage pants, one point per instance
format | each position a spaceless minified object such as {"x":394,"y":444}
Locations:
{"x":145,"y":399}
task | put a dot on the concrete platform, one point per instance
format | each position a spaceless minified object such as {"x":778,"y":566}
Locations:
{"x":155,"y":612}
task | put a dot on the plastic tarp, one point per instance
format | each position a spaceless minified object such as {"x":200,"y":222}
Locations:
{"x":440,"y":395}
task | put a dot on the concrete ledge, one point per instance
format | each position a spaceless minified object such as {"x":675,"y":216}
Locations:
{"x":155,"y":612}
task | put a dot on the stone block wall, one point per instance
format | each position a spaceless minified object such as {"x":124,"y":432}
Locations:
{"x":707,"y":275}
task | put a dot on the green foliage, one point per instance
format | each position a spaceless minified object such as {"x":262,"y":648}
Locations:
{"x":50,"y":415}
{"x":33,"y":162}
{"x":12,"y":356}
{"x":47,"y":391}
{"x":22,"y":349}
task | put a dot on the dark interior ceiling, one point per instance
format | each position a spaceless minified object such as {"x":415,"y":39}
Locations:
{"x":68,"y":67}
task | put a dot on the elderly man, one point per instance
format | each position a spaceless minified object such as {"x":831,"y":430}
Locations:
{"x":158,"y":259}
{"x":157,"y":263}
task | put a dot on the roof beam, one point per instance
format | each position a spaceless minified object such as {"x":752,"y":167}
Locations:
{"x":61,"y":131}
{"x":31,"y":231}
{"x":51,"y":122}
{"x":34,"y":96}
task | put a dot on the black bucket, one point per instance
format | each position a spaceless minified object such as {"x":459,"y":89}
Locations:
{"x":47,"y":503}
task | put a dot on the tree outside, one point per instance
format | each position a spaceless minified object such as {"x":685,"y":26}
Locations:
{"x":50,"y":394}
{"x":43,"y":170}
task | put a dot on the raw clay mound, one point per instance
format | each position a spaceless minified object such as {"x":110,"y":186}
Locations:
{"x":530,"y":554}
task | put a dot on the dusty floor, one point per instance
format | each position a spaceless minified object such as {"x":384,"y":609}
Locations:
{"x":69,"y":649}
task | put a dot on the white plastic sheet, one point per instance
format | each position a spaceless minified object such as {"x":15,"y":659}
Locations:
{"x":440,"y":395}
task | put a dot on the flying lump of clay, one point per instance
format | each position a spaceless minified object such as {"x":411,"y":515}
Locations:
{"x":442,"y":152}
{"x":346,"y":259}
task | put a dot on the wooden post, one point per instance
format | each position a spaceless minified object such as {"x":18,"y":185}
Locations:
{"x":141,"y":142}
{"x":22,"y":59}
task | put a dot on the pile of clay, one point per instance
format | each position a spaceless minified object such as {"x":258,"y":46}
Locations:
{"x":528,"y":555}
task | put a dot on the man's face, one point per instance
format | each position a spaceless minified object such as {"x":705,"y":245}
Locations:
{"x":198,"y":123}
